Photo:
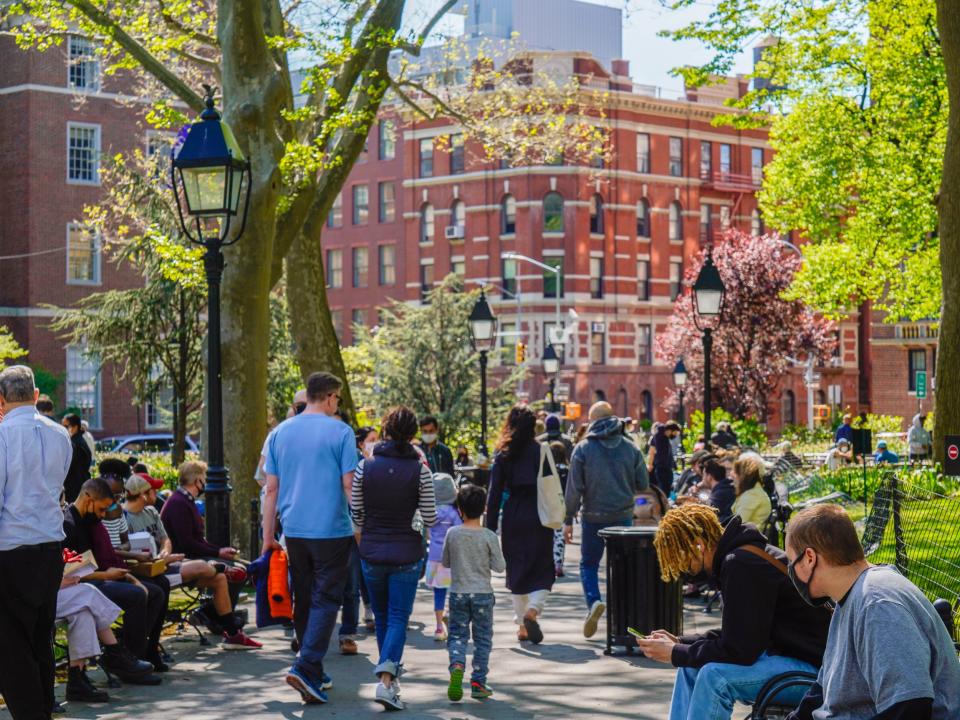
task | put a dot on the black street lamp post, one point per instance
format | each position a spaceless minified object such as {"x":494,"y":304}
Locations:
{"x":551,"y":366}
{"x":708,"y":292}
{"x":483,"y":335}
{"x":211,"y":186}
{"x":680,"y":380}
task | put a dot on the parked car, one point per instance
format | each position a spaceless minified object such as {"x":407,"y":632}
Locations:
{"x":134,"y":444}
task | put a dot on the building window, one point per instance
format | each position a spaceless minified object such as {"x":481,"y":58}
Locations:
{"x":553,"y":212}
{"x":596,"y":215}
{"x":676,"y":157}
{"x":643,"y":219}
{"x":426,"y":281}
{"x":756,"y":165}
{"x":426,"y":223}
{"x":646,"y":405}
{"x":388,"y":140}
{"x":916,"y":362}
{"x":357,"y":320}
{"x":508,"y":215}
{"x":457,"y":159}
{"x":725,"y":160}
{"x":336,"y":319}
{"x":643,"y":279}
{"x":676,"y":278}
{"x":706,"y":159}
{"x":83,"y":256}
{"x":643,"y":153}
{"x":426,"y":158}
{"x":158,"y":410}
{"x":553,"y":282}
{"x":334,"y":268}
{"x":388,"y":202}
{"x":597,"y":348}
{"x":706,"y":223}
{"x":158,"y":152}
{"x":361,"y":265}
{"x":644,"y":345}
{"x":508,"y":276}
{"x":458,"y":218}
{"x":83,"y":67}
{"x":361,"y":204}
{"x":83,"y":383}
{"x":756,"y":223}
{"x":788,"y":411}
{"x":83,"y":153}
{"x":676,"y":221}
{"x":458,"y":267}
{"x":335,"y":216}
{"x":388,"y":264}
{"x":596,"y":277}
{"x":508,"y":342}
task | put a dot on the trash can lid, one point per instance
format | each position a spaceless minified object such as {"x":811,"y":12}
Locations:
{"x":620,"y":531}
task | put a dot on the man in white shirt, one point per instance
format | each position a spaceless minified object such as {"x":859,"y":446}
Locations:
{"x":35,"y":455}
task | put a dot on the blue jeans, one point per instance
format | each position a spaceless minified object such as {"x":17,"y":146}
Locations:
{"x":591,"y":553}
{"x":710,"y":692}
{"x":319,"y":572}
{"x":439,"y":599}
{"x":350,"y":615}
{"x":392,"y":592}
{"x":474,"y":609}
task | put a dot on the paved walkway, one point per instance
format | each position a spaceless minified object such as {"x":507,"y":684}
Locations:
{"x":565,"y":675}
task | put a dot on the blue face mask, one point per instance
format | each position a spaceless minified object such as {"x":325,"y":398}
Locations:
{"x":113,"y":508}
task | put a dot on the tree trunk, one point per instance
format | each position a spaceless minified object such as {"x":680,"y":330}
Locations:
{"x":947,"y":417}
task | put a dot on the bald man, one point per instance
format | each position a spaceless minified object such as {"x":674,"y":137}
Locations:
{"x":606,"y":472}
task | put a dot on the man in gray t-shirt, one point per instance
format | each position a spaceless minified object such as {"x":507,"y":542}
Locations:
{"x":889,"y":655}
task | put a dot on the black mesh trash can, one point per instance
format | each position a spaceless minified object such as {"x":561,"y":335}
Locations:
{"x":636,"y":596}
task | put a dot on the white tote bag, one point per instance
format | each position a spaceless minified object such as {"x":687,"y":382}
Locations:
{"x":550,"y":503}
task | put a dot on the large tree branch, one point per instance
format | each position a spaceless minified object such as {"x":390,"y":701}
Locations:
{"x":174,"y":24}
{"x":431,"y":24}
{"x":445,"y":109}
{"x":143,"y":56}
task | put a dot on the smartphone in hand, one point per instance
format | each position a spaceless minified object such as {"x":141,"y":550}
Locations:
{"x":636,"y":633}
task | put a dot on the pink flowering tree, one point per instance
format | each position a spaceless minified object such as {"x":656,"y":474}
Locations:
{"x":757,"y":332}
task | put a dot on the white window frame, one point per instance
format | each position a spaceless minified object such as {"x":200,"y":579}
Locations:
{"x":96,"y":418}
{"x":96,"y":154}
{"x":97,"y":256}
{"x":94,"y":61}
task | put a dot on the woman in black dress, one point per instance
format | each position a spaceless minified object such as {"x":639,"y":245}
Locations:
{"x":527,"y":545}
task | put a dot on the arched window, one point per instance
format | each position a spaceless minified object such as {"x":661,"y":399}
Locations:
{"x":508,"y":215}
{"x":643,"y":218}
{"x":426,"y":223}
{"x":623,"y":405}
{"x":788,"y":412}
{"x":676,"y":221}
{"x":596,"y":215}
{"x":646,"y":405}
{"x":458,"y":214}
{"x":553,"y":212}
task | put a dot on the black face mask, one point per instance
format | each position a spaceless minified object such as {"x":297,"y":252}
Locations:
{"x":804,"y":587}
{"x":201,"y":489}
{"x":89,"y":519}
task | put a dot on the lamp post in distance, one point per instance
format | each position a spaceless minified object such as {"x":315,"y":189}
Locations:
{"x":708,"y":294}
{"x":483,"y":336}
{"x":680,"y":380}
{"x":551,"y":366}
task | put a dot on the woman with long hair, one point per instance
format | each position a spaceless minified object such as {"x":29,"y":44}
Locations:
{"x":388,"y":489}
{"x":752,"y":503}
{"x":527,"y":545}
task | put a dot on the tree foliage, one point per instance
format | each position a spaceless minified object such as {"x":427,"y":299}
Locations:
{"x":758,"y":330}
{"x":9,"y":348}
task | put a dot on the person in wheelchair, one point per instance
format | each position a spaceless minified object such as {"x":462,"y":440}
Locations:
{"x":767,"y":628}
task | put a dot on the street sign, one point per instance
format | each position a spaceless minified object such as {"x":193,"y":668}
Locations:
{"x":951,"y":458}
{"x":562,"y":392}
{"x":921,"y":384}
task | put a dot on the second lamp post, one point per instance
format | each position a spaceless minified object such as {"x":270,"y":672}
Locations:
{"x":483,"y":336}
{"x":708,"y":292}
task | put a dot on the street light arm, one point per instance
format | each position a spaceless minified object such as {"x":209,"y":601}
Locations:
{"x":544,"y":266}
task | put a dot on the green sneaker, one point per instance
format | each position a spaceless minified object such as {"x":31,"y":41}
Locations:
{"x":479,"y":691}
{"x":455,"y":688}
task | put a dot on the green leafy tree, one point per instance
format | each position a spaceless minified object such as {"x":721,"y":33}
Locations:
{"x":283,"y":371}
{"x":9,"y":349}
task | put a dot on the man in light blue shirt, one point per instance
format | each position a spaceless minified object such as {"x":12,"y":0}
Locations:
{"x":35,"y":455}
{"x":310,"y":462}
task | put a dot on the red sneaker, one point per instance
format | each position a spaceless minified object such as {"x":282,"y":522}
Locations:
{"x":240,"y":642}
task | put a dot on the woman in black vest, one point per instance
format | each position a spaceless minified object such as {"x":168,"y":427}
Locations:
{"x":527,"y":545}
{"x":388,"y":489}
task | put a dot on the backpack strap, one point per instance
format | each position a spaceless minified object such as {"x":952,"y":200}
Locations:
{"x":754,"y":550}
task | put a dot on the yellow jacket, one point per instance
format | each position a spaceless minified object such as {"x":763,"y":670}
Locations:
{"x":753,"y":506}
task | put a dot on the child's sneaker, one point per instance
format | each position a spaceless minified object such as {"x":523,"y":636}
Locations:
{"x":440,"y":635}
{"x":455,"y":688}
{"x":479,"y":691}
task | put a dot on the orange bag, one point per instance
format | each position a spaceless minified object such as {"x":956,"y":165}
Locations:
{"x":278,"y":586}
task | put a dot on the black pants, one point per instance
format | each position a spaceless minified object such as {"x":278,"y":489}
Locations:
{"x":663,"y":479}
{"x":29,"y":580}
{"x":142,"y":613}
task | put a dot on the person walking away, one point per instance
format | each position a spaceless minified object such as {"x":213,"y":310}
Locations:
{"x":752,"y":504}
{"x":438,"y":576}
{"x":387,"y":492}
{"x":310,"y":466}
{"x":35,"y":455}
{"x":554,"y":433}
{"x":471,"y":552}
{"x":438,"y":455}
{"x":919,"y":443}
{"x":527,"y":544}
{"x":661,"y":462}
{"x":81,"y":459}
{"x":561,"y":459}
{"x":607,"y":471}
{"x":888,"y":652}
{"x":766,"y":629}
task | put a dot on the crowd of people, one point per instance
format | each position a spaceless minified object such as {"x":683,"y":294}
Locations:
{"x":365,"y":515}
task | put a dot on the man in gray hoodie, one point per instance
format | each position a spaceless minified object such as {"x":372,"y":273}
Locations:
{"x":606,"y":472}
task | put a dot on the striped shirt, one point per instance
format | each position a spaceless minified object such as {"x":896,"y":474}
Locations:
{"x":427,"y":503}
{"x":116,"y":528}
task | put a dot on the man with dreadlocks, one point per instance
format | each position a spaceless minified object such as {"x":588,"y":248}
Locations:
{"x":767,"y":628}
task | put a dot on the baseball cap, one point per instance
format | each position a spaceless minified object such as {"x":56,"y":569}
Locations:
{"x":154,"y":482}
{"x":136,"y":485}
{"x":882,"y":444}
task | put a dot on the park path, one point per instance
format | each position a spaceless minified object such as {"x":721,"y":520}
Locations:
{"x":566,"y":675}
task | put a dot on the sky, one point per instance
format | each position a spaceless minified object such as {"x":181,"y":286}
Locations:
{"x":651,"y":57}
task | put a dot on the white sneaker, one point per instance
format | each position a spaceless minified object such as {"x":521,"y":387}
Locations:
{"x":593,"y":619}
{"x":389,"y":697}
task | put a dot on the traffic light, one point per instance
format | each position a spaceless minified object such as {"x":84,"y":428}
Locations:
{"x":521,"y":351}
